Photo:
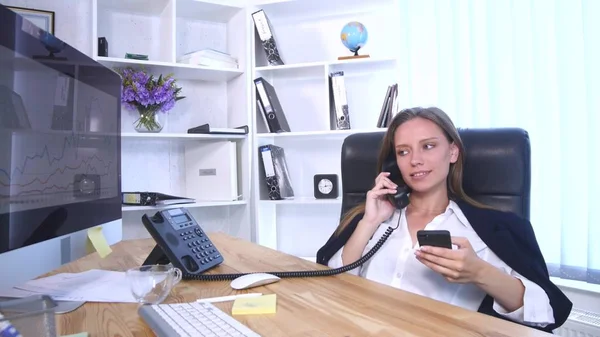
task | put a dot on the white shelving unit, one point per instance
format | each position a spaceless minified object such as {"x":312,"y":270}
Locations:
{"x":165,"y":30}
{"x":307,"y":34}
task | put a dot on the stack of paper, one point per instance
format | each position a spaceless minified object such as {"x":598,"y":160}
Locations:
{"x":210,"y":58}
{"x":89,"y":286}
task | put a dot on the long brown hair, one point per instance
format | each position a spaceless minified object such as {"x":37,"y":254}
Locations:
{"x":455,"y":175}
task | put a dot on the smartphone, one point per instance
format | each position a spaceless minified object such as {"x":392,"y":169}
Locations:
{"x":436,"y":238}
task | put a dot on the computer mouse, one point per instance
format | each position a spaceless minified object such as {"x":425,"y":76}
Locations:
{"x":253,"y":280}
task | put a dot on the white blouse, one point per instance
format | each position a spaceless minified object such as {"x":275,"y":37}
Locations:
{"x":395,"y":264}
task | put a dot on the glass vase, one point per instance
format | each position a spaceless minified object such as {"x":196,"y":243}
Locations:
{"x":148,"y":122}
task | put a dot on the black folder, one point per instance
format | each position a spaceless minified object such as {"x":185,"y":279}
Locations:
{"x":152,"y":199}
{"x":271,"y":106}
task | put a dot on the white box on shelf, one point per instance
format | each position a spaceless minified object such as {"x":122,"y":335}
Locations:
{"x":211,"y":171}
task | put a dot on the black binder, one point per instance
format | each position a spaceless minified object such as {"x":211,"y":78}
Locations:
{"x":206,"y":129}
{"x":152,"y":199}
{"x":271,"y":106}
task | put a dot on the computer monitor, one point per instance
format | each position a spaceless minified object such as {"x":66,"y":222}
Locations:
{"x":60,"y":145}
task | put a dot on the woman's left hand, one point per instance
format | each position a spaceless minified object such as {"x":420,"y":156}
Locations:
{"x":460,"y":265}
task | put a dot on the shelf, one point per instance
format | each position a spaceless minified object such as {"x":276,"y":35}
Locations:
{"x":303,"y":201}
{"x":298,"y":69}
{"x":180,"y":71}
{"x":323,"y":8}
{"x":267,"y":2}
{"x":144,"y":7}
{"x":362,"y":61}
{"x":181,"y":136}
{"x":366,"y":65}
{"x":346,"y":64}
{"x":194,"y":205}
{"x":320,"y":134}
{"x":208,"y":10}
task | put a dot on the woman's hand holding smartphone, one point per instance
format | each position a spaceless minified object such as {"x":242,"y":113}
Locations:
{"x":461,"y":265}
{"x":435,"y":238}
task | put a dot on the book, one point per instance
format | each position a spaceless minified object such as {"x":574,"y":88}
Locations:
{"x":210,"y":58}
{"x":390,"y":106}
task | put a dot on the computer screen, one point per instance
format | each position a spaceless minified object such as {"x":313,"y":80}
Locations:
{"x":60,"y":143}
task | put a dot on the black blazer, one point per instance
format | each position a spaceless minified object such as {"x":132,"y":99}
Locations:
{"x":508,"y":236}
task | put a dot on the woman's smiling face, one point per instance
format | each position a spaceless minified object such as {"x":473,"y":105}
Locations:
{"x":423,"y":154}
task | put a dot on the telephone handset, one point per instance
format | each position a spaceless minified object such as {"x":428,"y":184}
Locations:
{"x":400,"y":199}
{"x":182,"y":242}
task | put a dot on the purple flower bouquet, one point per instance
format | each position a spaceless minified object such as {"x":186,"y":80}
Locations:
{"x":148,"y":95}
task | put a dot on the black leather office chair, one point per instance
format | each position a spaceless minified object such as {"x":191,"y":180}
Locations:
{"x":497,"y":172}
{"x":497,"y":167}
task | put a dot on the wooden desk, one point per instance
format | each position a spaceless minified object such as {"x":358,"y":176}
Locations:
{"x":342,"y":305}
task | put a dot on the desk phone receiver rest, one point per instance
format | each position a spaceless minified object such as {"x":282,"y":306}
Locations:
{"x":181,"y":241}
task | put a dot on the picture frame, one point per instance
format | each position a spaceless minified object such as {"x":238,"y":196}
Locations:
{"x":42,"y":18}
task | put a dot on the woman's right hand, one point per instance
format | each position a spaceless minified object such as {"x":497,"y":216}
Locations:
{"x":378,"y":207}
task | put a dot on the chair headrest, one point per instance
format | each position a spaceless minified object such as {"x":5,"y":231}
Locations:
{"x":497,"y":168}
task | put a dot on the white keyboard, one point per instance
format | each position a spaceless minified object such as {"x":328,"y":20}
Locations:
{"x":191,"y":320}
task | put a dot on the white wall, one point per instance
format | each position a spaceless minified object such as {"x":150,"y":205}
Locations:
{"x":72,"y":19}
{"x":584,"y":296}
{"x":73,"y":24}
{"x":582,"y":299}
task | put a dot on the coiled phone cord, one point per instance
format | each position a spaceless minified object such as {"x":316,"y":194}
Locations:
{"x":305,"y":273}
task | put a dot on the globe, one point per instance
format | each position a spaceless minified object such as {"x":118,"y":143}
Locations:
{"x":52,"y":43}
{"x":354,"y":36}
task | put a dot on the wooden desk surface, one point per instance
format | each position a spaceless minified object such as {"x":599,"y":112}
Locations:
{"x":342,"y":305}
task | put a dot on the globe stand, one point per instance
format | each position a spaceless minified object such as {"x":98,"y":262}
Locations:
{"x":355,"y":56}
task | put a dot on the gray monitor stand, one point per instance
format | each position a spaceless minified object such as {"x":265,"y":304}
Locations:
{"x":63,"y":307}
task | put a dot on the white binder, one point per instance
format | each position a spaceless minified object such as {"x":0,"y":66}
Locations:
{"x":339,"y":101}
{"x":267,"y":38}
{"x":211,"y":171}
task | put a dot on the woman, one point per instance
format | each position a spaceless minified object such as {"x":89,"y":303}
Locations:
{"x":496,"y":266}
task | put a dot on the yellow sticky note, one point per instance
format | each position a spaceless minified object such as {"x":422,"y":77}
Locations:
{"x":81,"y":334}
{"x":266,"y":304}
{"x":131,"y":198}
{"x":99,"y":241}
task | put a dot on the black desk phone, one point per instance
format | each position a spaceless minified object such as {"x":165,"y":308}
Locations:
{"x":182,"y":241}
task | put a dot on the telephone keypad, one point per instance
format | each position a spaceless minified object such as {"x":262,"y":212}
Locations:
{"x":201,"y":248}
